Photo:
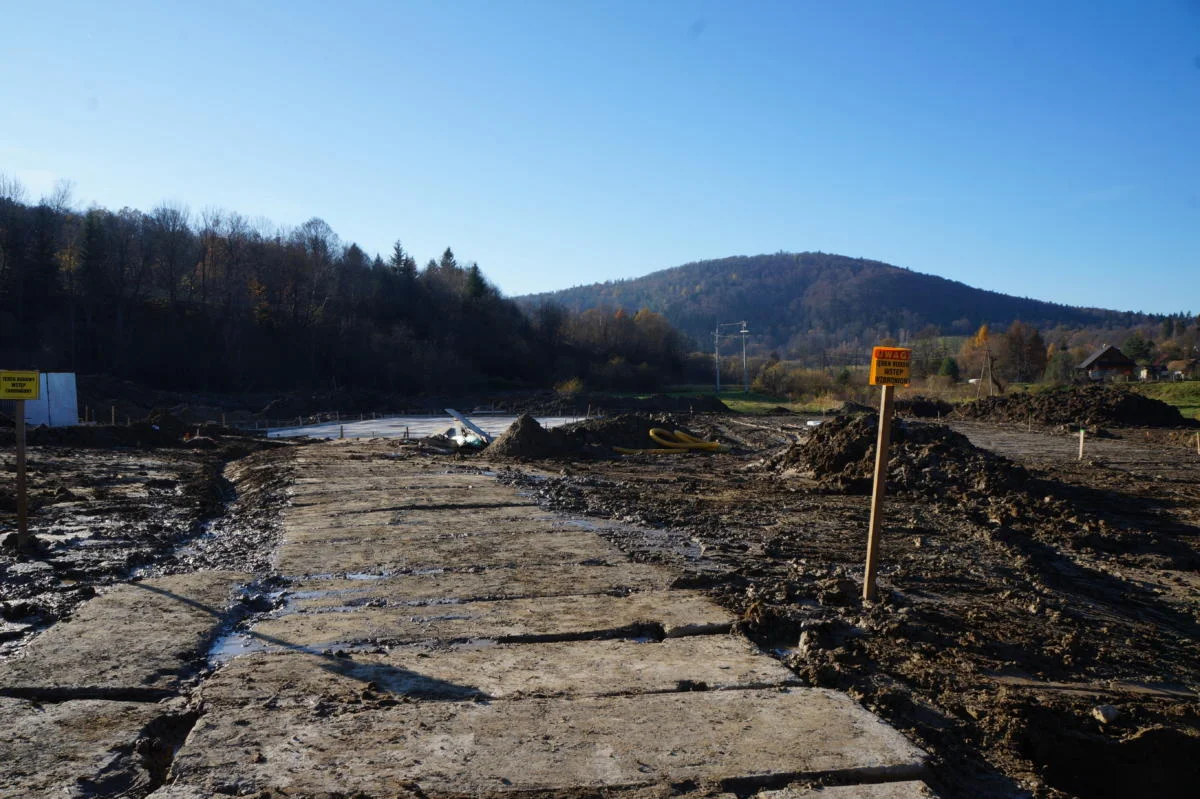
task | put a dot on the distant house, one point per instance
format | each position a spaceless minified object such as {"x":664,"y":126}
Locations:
{"x":1155,"y":371}
{"x":1183,"y":369}
{"x":1108,"y":363}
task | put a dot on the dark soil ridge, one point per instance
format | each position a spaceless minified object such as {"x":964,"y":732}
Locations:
{"x":526,"y":439}
{"x":1089,"y":406}
{"x":923,"y":458}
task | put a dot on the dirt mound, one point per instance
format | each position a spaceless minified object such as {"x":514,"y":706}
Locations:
{"x":1091,"y":406}
{"x":139,"y":435}
{"x":594,"y":438}
{"x":525,"y":438}
{"x":170,"y":425}
{"x":923,"y":458}
{"x":850,"y":407}
{"x":923,"y":407}
{"x":631,"y":430}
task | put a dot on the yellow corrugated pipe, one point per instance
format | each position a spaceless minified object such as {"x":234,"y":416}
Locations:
{"x":673,"y":442}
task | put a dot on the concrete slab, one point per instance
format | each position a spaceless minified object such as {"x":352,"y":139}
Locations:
{"x":907,"y":789}
{"x":472,"y":748}
{"x":67,"y":748}
{"x":504,"y":671}
{"x":677,"y":613}
{"x":387,"y":556}
{"x":447,"y":497}
{"x":610,"y":576}
{"x":301,"y":527}
{"x":304,"y":530}
{"x":132,"y":642}
{"x":385,"y":478}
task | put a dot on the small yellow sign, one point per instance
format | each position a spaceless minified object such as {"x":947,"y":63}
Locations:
{"x":19,"y":385}
{"x":891,"y":366}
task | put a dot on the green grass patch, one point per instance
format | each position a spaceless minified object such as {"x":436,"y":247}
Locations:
{"x":1184,"y":395}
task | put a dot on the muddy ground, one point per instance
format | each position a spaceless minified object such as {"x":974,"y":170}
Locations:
{"x":1037,"y":629}
{"x":104,"y":515}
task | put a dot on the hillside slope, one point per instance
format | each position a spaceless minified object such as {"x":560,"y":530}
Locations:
{"x":796,"y":294}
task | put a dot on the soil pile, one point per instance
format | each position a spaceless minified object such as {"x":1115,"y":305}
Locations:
{"x":525,"y":438}
{"x":923,"y":458}
{"x":923,"y":407}
{"x":594,"y":438}
{"x":850,"y":407}
{"x":1092,"y":406}
{"x":630,"y":430}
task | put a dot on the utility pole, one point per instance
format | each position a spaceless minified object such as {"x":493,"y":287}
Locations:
{"x":717,"y":351}
{"x":717,"y":355}
{"x":745,"y":370}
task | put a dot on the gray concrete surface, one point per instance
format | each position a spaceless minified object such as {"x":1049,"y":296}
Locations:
{"x":385,"y":555}
{"x":60,"y":749}
{"x":136,"y":640}
{"x":501,"y":671}
{"x":475,"y":748}
{"x":376,"y":680}
{"x":609,"y":576}
{"x":675,"y":613}
{"x":436,"y":636}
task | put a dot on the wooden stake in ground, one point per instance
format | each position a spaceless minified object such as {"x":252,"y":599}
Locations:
{"x":882,"y":443}
{"x":890,"y":367}
{"x":21,"y":386}
{"x":23,"y":542}
{"x":1081,"y":443}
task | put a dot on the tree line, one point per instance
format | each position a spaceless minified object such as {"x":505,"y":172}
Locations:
{"x":216,"y":301}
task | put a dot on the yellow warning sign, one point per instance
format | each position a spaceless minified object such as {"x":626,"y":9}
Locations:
{"x":19,"y":385}
{"x":891,"y":366}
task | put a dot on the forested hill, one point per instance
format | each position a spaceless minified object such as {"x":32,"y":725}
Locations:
{"x":789,"y":295}
{"x":213,"y":301}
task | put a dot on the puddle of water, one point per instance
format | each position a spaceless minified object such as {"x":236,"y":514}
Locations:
{"x":232,"y":644}
{"x":588,"y":524}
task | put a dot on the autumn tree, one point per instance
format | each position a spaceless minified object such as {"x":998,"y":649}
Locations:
{"x":1021,"y":356}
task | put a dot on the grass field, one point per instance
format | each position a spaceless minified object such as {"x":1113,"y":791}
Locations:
{"x":1183,"y":395}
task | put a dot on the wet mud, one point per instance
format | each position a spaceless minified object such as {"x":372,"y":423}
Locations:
{"x":100,"y":516}
{"x":1038,"y":629}
{"x":1039,"y":623}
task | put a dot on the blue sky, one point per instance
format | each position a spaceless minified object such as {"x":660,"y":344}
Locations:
{"x":1049,"y":150}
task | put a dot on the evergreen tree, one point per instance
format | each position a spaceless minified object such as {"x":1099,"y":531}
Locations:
{"x":949,"y":368}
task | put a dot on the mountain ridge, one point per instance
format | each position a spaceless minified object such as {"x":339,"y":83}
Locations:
{"x":834,"y":297}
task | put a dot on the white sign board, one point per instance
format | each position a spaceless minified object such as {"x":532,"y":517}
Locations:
{"x":58,"y":405}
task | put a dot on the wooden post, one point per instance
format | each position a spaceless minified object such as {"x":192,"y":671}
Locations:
{"x":881,"y":459}
{"x":1198,"y":443}
{"x":341,"y":431}
{"x":222,"y":418}
{"x":1081,"y":443}
{"x":114,"y":416}
{"x":23,"y":542}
